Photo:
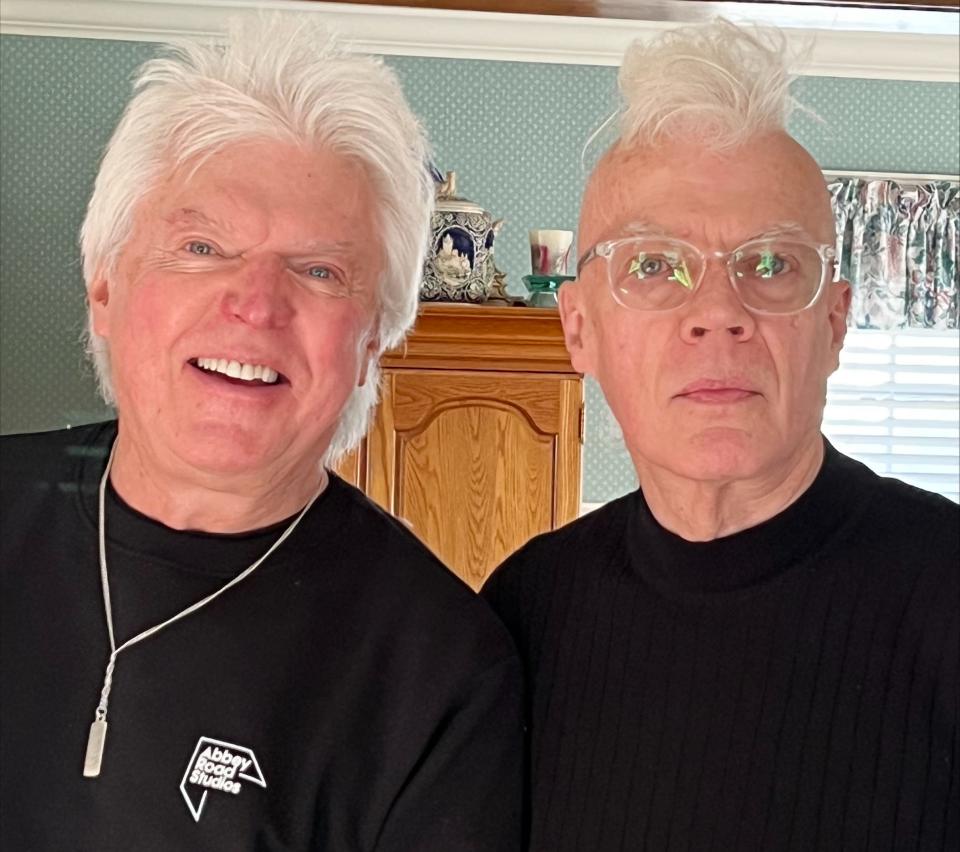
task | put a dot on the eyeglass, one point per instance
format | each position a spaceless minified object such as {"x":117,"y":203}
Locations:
{"x":771,"y":275}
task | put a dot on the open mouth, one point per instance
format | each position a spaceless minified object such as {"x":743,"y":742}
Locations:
{"x":238,"y":372}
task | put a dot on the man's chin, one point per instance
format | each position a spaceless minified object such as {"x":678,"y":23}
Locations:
{"x":717,"y":455}
{"x":226,"y":451}
{"x":222,"y":448}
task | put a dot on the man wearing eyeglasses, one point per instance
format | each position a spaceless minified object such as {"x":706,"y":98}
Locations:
{"x":758,"y":648}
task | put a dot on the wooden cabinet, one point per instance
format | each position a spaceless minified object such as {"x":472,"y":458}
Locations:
{"x":477,"y":440}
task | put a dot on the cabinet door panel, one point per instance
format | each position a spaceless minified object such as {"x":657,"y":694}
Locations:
{"x":417,"y":395}
{"x":472,"y":461}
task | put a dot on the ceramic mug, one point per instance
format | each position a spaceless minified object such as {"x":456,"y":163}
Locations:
{"x":549,"y":251}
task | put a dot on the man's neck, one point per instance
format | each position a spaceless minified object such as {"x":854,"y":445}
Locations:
{"x":699,"y":510}
{"x":189,"y":500}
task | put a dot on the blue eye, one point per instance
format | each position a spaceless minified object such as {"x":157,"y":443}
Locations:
{"x":319,"y":272}
{"x":201,"y":248}
{"x":770,"y":265}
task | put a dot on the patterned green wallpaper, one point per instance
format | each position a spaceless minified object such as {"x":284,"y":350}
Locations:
{"x":513,"y":131}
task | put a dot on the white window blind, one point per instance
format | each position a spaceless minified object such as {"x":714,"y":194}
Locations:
{"x":894,"y":404}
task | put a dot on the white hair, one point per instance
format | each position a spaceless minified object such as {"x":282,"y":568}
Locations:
{"x":278,"y":78}
{"x":716,"y":83}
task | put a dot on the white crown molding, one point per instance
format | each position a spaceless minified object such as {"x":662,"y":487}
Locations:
{"x":403,"y":31}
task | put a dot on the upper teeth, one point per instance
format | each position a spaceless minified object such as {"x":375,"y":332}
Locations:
{"x":239,"y":370}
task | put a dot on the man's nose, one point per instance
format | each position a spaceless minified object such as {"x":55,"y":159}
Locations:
{"x":258,"y":294}
{"x":716,"y":307}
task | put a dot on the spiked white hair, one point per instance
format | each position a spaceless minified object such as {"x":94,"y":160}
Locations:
{"x":274,"y":77}
{"x":717,"y":83}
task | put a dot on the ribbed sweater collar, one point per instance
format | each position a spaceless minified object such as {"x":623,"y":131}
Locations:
{"x":753,"y":556}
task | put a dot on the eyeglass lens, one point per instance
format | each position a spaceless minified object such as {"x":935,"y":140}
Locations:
{"x":655,"y":274}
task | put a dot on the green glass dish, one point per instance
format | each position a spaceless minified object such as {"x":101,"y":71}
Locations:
{"x":545,"y":283}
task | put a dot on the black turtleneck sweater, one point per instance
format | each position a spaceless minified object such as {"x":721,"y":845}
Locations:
{"x":793,"y":686}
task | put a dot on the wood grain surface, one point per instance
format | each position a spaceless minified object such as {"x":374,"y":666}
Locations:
{"x":462,"y":336}
{"x":476,"y":444}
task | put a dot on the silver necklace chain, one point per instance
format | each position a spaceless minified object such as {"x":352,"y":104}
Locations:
{"x":98,"y":730}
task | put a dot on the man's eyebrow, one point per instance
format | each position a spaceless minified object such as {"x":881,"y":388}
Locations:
{"x":322,"y":245}
{"x":188,"y":215}
{"x":785,"y":227}
{"x":192,"y":216}
{"x":646,"y":225}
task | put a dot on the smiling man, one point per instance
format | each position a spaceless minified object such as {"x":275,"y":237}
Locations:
{"x":209,"y":642}
{"x":757,"y":649}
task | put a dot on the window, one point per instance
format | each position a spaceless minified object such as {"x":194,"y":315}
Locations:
{"x":894,"y":404}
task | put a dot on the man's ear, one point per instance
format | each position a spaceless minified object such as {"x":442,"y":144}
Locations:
{"x":840,"y":296}
{"x":98,"y":296}
{"x":576,"y":334}
{"x":369,"y":353}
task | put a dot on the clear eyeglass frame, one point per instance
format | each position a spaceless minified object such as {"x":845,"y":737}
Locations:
{"x":606,"y":249}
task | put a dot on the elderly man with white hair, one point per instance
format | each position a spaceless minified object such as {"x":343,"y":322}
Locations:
{"x":208,"y":641}
{"x":758,"y":648}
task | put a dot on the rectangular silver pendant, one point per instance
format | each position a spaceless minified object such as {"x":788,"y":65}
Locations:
{"x":95,"y":742}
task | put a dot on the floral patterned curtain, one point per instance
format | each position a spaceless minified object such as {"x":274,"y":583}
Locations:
{"x":899,"y":247}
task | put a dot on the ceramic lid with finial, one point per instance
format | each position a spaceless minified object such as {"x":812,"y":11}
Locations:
{"x":449,"y":201}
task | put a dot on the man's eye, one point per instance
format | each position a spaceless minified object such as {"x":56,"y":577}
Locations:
{"x":645,"y":265}
{"x":326,"y":280}
{"x":669,"y":267}
{"x":198,"y":247}
{"x":770,"y":265}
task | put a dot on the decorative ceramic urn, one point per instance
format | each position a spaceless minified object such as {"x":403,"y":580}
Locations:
{"x":459,"y":264}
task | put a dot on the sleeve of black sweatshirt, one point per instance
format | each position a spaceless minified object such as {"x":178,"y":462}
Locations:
{"x":465,"y":794}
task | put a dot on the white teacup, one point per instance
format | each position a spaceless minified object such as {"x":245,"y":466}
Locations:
{"x":549,"y":251}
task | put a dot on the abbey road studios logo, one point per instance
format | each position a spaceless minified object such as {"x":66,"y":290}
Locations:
{"x":220,"y":767}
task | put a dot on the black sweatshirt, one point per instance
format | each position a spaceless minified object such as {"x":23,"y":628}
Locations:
{"x":350,"y":694}
{"x":790,"y":687}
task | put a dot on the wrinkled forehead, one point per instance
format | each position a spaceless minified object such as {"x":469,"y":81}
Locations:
{"x":313,"y":196}
{"x":714,"y":198}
